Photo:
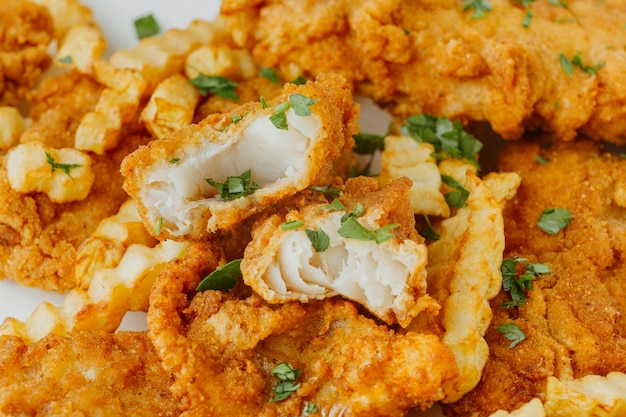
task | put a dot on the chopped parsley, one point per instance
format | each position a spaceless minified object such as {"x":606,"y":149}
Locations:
{"x":279,"y":120}
{"x":223,"y":278}
{"x":236,"y":119}
{"x":287,"y":376}
{"x":269,"y":74}
{"x":263,"y":103}
{"x":541,"y":160}
{"x":146,"y":26}
{"x":235,"y":186}
{"x":427,"y":232}
{"x":553,"y":220}
{"x":158,"y":226}
{"x":216,"y":85}
{"x":525,"y":3}
{"x":66,"y":60}
{"x":352,"y":229}
{"x":311,"y":408}
{"x":449,"y":138}
{"x":62,"y":167}
{"x":327,"y":190}
{"x":319,"y":239}
{"x":301,"y":104}
{"x":368,"y":143}
{"x":515,"y":285}
{"x":568,"y":65}
{"x":293,"y":224}
{"x":479,"y":6}
{"x":528,"y":18}
{"x":458,"y":197}
{"x":336,"y":205}
{"x":559,"y":3}
{"x":512,"y":333}
{"x":299,"y":80}
{"x":174,"y":160}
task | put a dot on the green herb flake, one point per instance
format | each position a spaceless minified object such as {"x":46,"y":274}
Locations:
{"x":428,"y":232}
{"x":525,"y":3}
{"x":235,"y":186}
{"x":299,"y":80}
{"x":591,"y":70}
{"x":541,"y":160}
{"x":559,"y":3}
{"x":66,"y":60}
{"x":352,"y":229}
{"x":512,"y":333}
{"x":566,"y":64}
{"x":479,"y":7}
{"x":223,"y":278}
{"x":301,"y":104}
{"x":279,"y":120}
{"x":66,"y":168}
{"x":368,"y":143}
{"x":311,"y":408}
{"x":158,"y":226}
{"x":263,"y":103}
{"x":327,"y":190}
{"x":216,"y":85}
{"x":269,"y":74}
{"x":236,"y":119}
{"x":516,"y":286}
{"x":528,"y":18}
{"x":287,"y":376}
{"x":336,"y":205}
{"x":174,"y":160}
{"x":553,"y":220}
{"x":146,"y":26}
{"x":458,"y":197}
{"x":319,"y":239}
{"x":293,"y":224}
{"x":449,"y":138}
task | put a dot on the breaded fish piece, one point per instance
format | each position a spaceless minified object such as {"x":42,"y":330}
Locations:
{"x":84,"y":373}
{"x":387,"y":276}
{"x":222,"y":348}
{"x":284,"y":145}
{"x":574,"y":317}
{"x":518,"y":65}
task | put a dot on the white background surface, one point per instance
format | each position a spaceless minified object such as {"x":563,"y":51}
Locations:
{"x":116,"y":18}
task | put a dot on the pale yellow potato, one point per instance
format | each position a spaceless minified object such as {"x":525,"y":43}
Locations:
{"x":503,"y":185}
{"x":11,"y":127}
{"x":171,"y":106}
{"x":63,"y":174}
{"x":589,"y":396}
{"x":83,"y":45}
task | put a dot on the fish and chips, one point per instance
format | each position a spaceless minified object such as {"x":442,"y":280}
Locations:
{"x":214,"y":178}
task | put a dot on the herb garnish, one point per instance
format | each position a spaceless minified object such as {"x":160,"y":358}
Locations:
{"x":327,"y":190}
{"x":63,"y":167}
{"x":279,"y":118}
{"x":352,"y":229}
{"x":479,"y":6}
{"x":336,"y":205}
{"x":301,"y":104}
{"x":287,"y":375}
{"x":511,"y":332}
{"x":458,"y":197}
{"x":528,"y":18}
{"x":559,"y":3}
{"x":319,"y":239}
{"x":553,"y":220}
{"x":174,"y":160}
{"x":223,"y":278}
{"x":516,"y":286}
{"x":269,"y":74}
{"x":235,"y":186}
{"x":448,"y":138}
{"x":568,"y":65}
{"x":525,"y":3}
{"x":158,"y":226}
{"x":541,"y":160}
{"x":263,"y":103}
{"x":427,"y":232}
{"x":293,"y":224}
{"x":216,"y":85}
{"x":299,"y":80}
{"x":311,"y":408}
{"x":368,"y":143}
{"x":66,"y":60}
{"x":146,"y":26}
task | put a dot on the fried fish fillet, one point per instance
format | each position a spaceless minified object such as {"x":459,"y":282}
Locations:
{"x":517,"y":65}
{"x":26,"y":29}
{"x":385,"y":271}
{"x":38,"y":238}
{"x":285,"y":145}
{"x":84,"y":373}
{"x":222,"y":348}
{"x":574,"y":316}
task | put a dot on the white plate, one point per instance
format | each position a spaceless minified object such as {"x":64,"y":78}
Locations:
{"x":116,"y":18}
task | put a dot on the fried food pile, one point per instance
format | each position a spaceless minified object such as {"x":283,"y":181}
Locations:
{"x":289,"y":264}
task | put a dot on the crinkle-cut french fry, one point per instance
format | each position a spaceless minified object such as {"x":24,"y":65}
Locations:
{"x":118,"y":103}
{"x":503,"y":185}
{"x":533,"y":408}
{"x":161,"y":56}
{"x":81,"y":47}
{"x":11,"y":127}
{"x":63,"y":174}
{"x":114,"y":287}
{"x":66,"y":14}
{"x":171,"y":106}
{"x":220,"y":60}
{"x":463,"y":276}
{"x":404,"y":156}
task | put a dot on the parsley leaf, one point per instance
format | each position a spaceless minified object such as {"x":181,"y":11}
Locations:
{"x":559,"y":3}
{"x":427,"y":232}
{"x":279,"y":120}
{"x":216,"y":85}
{"x":525,"y":3}
{"x":336,"y":205}
{"x":223,"y":278}
{"x":479,"y":6}
{"x":263,"y":103}
{"x":319,"y":239}
{"x":327,"y":190}
{"x":174,"y":160}
{"x":352,"y":229}
{"x":458,"y":197}
{"x":553,"y":220}
{"x":235,"y":186}
{"x":63,"y":167}
{"x":299,"y":80}
{"x":527,"y":19}
{"x":66,"y":60}
{"x":368,"y":143}
{"x":311,"y":408}
{"x":158,"y":226}
{"x":294,"y":224}
{"x":301,"y":104}
{"x":512,"y":333}
{"x":541,"y":160}
{"x":566,"y":64}
{"x":146,"y":26}
{"x":287,"y":376}
{"x":448,"y":138}
{"x":516,"y":286}
{"x":269,"y":74}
